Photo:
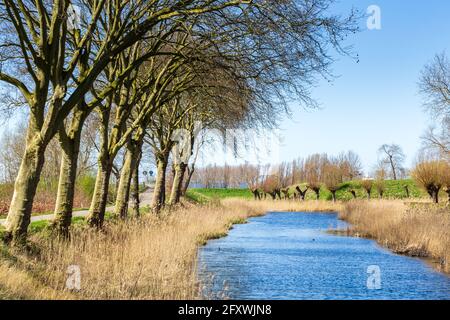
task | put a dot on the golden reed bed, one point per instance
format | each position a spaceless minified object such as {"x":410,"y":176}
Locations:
{"x":417,"y":229}
{"x":155,"y":257}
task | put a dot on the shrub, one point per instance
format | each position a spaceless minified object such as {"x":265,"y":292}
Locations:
{"x":332,"y":178}
{"x":432,"y":176}
{"x":86,"y":184}
{"x":367,"y":185}
{"x":380,"y":176}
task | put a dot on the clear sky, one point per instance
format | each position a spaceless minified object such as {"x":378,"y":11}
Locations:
{"x":374,"y":101}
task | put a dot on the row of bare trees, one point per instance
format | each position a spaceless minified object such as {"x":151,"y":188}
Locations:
{"x":275,"y":180}
{"x":147,"y":72}
{"x":294,"y":179}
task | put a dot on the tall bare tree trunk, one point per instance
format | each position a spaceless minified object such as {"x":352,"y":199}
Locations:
{"x":333,"y":195}
{"x":160,"y":184}
{"x":436,"y":195}
{"x":394,"y":174}
{"x":66,"y":187}
{"x":98,"y":204}
{"x":190,"y":173}
{"x":97,"y":209}
{"x":135,"y":201}
{"x":407,"y":191}
{"x":124,"y":184}
{"x":177,"y":185}
{"x":25,"y":189}
{"x":70,"y":145}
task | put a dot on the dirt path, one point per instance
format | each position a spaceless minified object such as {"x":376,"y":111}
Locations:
{"x":145,"y":198}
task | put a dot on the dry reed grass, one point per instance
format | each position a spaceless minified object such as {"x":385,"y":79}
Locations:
{"x":416,"y":229}
{"x":155,"y":257}
{"x":150,"y":258}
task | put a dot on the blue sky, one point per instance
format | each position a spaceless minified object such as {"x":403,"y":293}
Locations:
{"x":374,"y":101}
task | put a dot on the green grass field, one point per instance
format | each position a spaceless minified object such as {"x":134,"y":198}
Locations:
{"x":394,"y":189}
{"x":205,"y":195}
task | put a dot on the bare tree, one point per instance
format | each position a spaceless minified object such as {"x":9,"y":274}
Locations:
{"x":438,"y":141}
{"x":380,"y":175}
{"x":393,"y":156}
{"x":350,"y":164}
{"x":11,"y":151}
{"x":314,"y":165}
{"x":434,"y":85}
{"x":332,"y":178}
{"x":252,"y":176}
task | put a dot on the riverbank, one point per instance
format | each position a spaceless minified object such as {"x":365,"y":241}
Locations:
{"x":149,"y":258}
{"x":155,"y":257}
{"x":418,"y":229}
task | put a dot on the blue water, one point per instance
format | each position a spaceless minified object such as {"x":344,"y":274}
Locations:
{"x":289,"y":255}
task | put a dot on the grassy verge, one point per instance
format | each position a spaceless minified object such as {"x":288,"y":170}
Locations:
{"x":394,"y":189}
{"x":204,"y":195}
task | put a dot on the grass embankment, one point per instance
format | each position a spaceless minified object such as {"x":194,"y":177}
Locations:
{"x":416,"y":229}
{"x":150,"y":258}
{"x":203,"y":195}
{"x":394,"y":189}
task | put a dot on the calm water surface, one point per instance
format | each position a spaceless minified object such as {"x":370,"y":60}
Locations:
{"x":289,"y":255}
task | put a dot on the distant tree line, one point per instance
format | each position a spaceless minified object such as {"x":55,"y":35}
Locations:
{"x":321,"y":171}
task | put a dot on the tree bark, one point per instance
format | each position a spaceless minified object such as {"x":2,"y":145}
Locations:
{"x":98,"y":204}
{"x":66,"y":187}
{"x":159,"y":196}
{"x":24,"y":190}
{"x":70,"y":145}
{"x":302,"y":194}
{"x":436,"y":196}
{"x":97,"y":209}
{"x":124,"y":184}
{"x":394,"y":174}
{"x":135,"y":201}
{"x":407,"y":191}
{"x":177,"y":185}
{"x":256,"y":194}
{"x":317,"y":191}
{"x":333,"y":195}
{"x":188,"y":179}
